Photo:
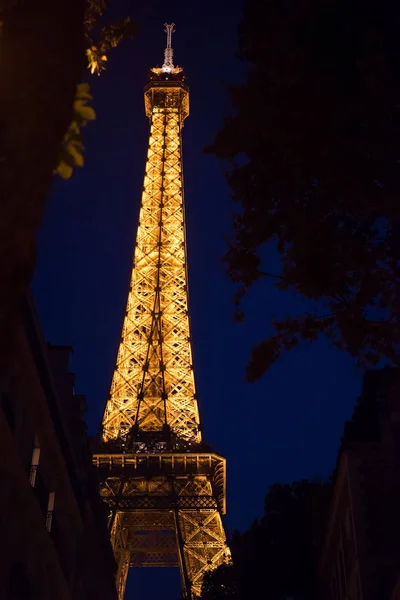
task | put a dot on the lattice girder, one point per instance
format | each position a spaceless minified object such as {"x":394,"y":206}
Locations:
{"x":140,"y":473}
{"x":178,"y":529}
{"x":195,"y":538}
{"x":153,"y":382}
{"x":165,"y":509}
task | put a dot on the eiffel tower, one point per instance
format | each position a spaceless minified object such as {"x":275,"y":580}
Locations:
{"x":164,"y":488}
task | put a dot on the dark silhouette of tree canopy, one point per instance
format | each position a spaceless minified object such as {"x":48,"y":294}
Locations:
{"x":313,"y":161}
{"x":220,"y":584}
{"x":277,"y":557}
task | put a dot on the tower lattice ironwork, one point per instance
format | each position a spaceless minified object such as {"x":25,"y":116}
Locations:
{"x":164,"y":489}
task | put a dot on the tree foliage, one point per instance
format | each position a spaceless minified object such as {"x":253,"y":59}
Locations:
{"x":99,"y":38}
{"x":220,"y":584}
{"x":277,"y":557}
{"x":71,"y":154}
{"x":313,"y":162}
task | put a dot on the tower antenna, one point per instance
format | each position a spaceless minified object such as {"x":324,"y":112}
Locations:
{"x":168,"y":65}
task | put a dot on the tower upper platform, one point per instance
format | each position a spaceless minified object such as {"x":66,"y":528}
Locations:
{"x":167,"y":90}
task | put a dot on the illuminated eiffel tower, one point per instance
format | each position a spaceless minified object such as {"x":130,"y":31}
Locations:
{"x":164,"y":488}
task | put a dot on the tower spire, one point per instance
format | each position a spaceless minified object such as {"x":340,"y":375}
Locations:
{"x":168,"y":64}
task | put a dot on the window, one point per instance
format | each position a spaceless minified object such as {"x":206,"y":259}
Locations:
{"x":41,"y":491}
{"x":34,"y":462}
{"x":50,"y":511}
{"x":58,"y":535}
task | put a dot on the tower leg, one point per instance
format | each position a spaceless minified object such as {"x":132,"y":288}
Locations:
{"x":186,"y":583}
{"x":202,"y":544}
{"x":122,"y":573}
{"x":165,"y":510}
{"x":119,"y":542}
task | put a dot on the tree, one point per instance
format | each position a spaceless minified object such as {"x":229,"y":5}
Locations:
{"x":44,"y":52}
{"x":99,"y":39}
{"x":220,"y":584}
{"x":277,"y":558}
{"x":313,"y":162}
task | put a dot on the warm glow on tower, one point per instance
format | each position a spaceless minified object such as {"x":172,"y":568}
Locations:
{"x":153,"y":383}
{"x":164,"y":490}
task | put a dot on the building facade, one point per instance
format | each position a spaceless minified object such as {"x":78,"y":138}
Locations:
{"x":361,"y":555}
{"x":53,"y":536}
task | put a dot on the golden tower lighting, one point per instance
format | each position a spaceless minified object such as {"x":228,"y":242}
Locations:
{"x":164,"y":489}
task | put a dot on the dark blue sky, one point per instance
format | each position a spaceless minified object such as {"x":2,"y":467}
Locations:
{"x":287,"y":425}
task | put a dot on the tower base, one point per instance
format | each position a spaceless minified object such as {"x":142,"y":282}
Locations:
{"x":165,"y":510}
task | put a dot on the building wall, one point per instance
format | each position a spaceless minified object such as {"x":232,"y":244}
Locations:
{"x":38,"y":409}
{"x":361,"y":554}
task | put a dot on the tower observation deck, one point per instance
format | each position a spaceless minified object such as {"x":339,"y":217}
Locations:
{"x":165,"y":490}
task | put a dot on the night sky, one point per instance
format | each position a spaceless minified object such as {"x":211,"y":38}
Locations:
{"x":284,"y":427}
